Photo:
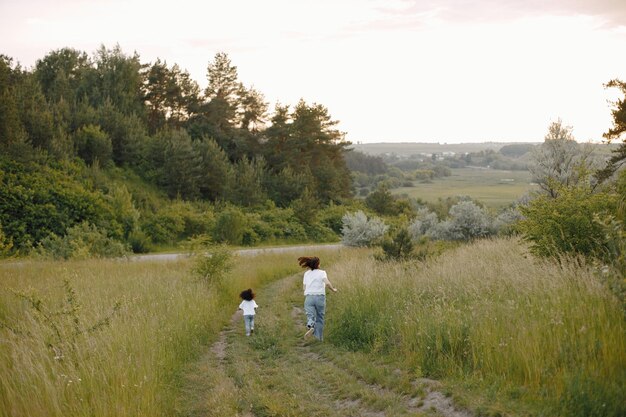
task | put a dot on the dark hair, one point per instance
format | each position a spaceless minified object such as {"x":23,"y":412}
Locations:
{"x":247,"y":295}
{"x":312,"y":262}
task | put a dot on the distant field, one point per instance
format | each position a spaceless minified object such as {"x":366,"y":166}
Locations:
{"x":494,"y":188}
{"x":410,"y":148}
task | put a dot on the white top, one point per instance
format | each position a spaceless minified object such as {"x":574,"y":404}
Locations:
{"x":314,"y":282}
{"x":248,"y":307}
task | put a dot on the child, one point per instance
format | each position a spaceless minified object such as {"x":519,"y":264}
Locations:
{"x":248,"y":305}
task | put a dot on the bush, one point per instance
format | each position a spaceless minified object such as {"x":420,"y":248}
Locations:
{"x":565,"y":224}
{"x":139,"y":242}
{"x":423,"y":222}
{"x":231,"y":225}
{"x":468,"y":221}
{"x":212,"y":265}
{"x":358,"y":230}
{"x":81,"y":242}
{"x":332,"y":217}
{"x":398,"y":248}
{"x":165,"y":227}
{"x":6,"y":244}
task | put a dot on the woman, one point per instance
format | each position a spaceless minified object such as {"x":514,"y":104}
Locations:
{"x":314,"y":283}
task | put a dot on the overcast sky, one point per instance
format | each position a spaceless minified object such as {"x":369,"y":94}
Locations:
{"x":389,"y":70}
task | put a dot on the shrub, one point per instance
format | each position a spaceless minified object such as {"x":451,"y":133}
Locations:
{"x":504,"y":223}
{"x":212,"y":265}
{"x":358,"y":230}
{"x":164,"y":227}
{"x":423,"y":222}
{"x":139,"y":242}
{"x":399,"y":247}
{"x":565,"y":224}
{"x":231,"y":225}
{"x":332,"y":217}
{"x":468,"y":221}
{"x":81,"y":242}
{"x":6,"y":244}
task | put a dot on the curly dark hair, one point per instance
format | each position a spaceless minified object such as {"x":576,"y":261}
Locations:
{"x":312,"y":262}
{"x":247,"y":295}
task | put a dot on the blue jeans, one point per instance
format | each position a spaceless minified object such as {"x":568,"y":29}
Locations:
{"x":314,"y":307}
{"x":248,"y":321}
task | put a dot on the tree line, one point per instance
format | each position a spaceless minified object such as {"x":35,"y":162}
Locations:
{"x":73,"y":114}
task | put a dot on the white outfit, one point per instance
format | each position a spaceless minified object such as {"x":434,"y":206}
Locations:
{"x":314,"y":282}
{"x":248,"y":307}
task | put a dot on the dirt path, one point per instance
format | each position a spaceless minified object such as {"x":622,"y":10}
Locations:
{"x":277,"y":373}
{"x":166,"y":257}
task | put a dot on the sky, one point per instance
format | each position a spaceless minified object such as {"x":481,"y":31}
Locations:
{"x":447,"y":71}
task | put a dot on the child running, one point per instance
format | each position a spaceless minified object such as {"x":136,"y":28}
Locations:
{"x":248,"y":305}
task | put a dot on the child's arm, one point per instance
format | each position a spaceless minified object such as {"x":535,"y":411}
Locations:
{"x":327,"y":282}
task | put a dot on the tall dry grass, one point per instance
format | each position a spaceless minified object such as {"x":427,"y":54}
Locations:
{"x":130,"y":367}
{"x":491,"y":315}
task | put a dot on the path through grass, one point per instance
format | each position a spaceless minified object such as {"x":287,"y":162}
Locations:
{"x":277,"y":373}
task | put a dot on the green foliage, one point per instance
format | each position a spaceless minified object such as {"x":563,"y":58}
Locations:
{"x":399,"y":247}
{"x":81,"y":242}
{"x":39,"y":200}
{"x":93,"y":145}
{"x":332,"y":215}
{"x":6,"y":244}
{"x":306,"y":207}
{"x":565,"y":225}
{"x":142,"y":130}
{"x":586,"y":395}
{"x":212,"y":263}
{"x":381,"y":201}
{"x":230,"y":226}
{"x":164,"y":227}
{"x":139,"y":241}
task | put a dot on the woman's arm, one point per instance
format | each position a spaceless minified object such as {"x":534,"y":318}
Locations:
{"x":327,"y":282}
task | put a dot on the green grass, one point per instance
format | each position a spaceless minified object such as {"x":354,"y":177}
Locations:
{"x":506,"y":334}
{"x":492,"y":187}
{"x":134,"y":365}
{"x":503,"y":330}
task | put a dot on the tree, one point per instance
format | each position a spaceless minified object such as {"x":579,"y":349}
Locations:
{"x":619,"y":127}
{"x":170,"y":95}
{"x":381,"y":201}
{"x":118,"y":78}
{"x":11,"y":128}
{"x":93,"y":145}
{"x":171,"y":162}
{"x":216,"y":172}
{"x":253,"y":108}
{"x":61,"y":74}
{"x":248,"y":178}
{"x":222,"y":91}
{"x":560,"y":160}
{"x":399,"y":247}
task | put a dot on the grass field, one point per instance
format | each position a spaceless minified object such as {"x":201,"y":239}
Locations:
{"x":59,"y":358}
{"x":496,"y":330}
{"x":493,"y":187}
{"x":507,"y":333}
